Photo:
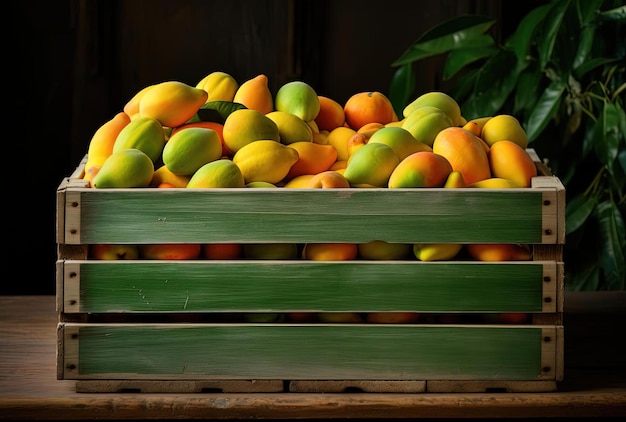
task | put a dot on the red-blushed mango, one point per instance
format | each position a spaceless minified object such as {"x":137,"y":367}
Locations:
{"x":355,"y":142}
{"x":330,"y":251}
{"x":465,"y":153}
{"x":172,"y":103}
{"x":368,"y":107}
{"x":495,"y":252}
{"x":270,"y":251}
{"x":328,"y":180}
{"x":312,"y":158}
{"x":510,"y":161}
{"x":330,"y":115}
{"x":170,"y":251}
{"x":422,"y":169}
{"x":222,"y":251}
{"x":392,"y":317}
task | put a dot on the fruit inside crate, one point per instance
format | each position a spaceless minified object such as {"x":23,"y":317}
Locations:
{"x":358,"y":257}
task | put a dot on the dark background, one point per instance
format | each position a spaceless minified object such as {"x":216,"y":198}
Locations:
{"x":72,"y":65}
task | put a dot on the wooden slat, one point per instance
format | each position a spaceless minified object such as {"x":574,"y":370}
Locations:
{"x":301,"y":352}
{"x":299,"y":285}
{"x":176,"y":386}
{"x":304,"y":215}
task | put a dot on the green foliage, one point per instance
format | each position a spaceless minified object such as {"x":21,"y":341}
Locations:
{"x":561,"y":73}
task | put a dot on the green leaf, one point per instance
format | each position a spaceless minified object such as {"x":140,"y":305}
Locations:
{"x":588,"y":10}
{"x":618,"y":14}
{"x":577,"y":211}
{"x":218,"y":111}
{"x":545,"y":109}
{"x":402,"y":87}
{"x":607,"y":139}
{"x":585,"y":277}
{"x":612,"y":245}
{"x":522,"y":38}
{"x":585,"y":43}
{"x":495,"y":82}
{"x":454,"y":33}
{"x":586,"y":67}
{"x":480,"y":48}
{"x":550,"y":30}
{"x":526,"y":89}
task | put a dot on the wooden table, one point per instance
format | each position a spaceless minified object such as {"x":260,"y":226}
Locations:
{"x":594,"y":383}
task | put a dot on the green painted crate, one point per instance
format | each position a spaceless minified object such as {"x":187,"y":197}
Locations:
{"x":160,"y":326}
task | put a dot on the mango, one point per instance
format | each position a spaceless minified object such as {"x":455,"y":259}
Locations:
{"x":265,"y":161}
{"x":102,"y":141}
{"x":221,"y":173}
{"x":436,"y":251}
{"x":422,"y":169}
{"x":454,"y":180}
{"x":163,"y":175}
{"x":494,"y":183}
{"x":191,"y":148}
{"x":400,"y":140}
{"x":244,"y":126}
{"x":172,"y":103}
{"x":504,"y":126}
{"x":510,"y":161}
{"x":424,"y":123}
{"x":496,"y":252}
{"x":371,"y":165}
{"x":255,"y":94}
{"x":465,"y":152}
{"x":143,"y":133}
{"x":220,"y":86}
{"x":312,"y":158}
{"x":270,"y":251}
{"x":291,"y":128}
{"x":126,"y":168}
{"x":379,"y":250}
{"x":298,"y":98}
{"x":442,"y":101}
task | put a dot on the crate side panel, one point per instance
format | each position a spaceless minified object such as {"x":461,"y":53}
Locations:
{"x":309,"y":215}
{"x":281,"y":286}
{"x":331,"y":352}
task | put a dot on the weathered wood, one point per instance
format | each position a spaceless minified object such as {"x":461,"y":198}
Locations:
{"x":594,"y":385}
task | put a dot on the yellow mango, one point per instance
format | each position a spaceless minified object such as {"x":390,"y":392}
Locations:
{"x":219,"y":85}
{"x":265,"y":161}
{"x":172,"y":103}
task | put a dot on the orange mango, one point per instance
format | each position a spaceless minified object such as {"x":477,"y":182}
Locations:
{"x":510,"y":161}
{"x":465,"y":153}
{"x":422,"y":169}
{"x":102,"y":141}
{"x":255,"y":94}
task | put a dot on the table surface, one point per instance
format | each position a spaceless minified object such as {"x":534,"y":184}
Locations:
{"x":594,"y":384}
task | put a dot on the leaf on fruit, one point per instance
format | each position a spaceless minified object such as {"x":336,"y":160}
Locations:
{"x":218,"y":111}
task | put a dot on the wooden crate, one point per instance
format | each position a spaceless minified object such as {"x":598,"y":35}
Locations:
{"x":176,"y":326}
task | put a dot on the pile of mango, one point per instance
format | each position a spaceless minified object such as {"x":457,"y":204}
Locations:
{"x":222,"y":134}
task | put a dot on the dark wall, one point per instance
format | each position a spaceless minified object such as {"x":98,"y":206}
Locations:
{"x":74,"y":64}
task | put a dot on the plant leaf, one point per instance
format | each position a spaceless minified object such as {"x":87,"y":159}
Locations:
{"x":493,"y":86}
{"x":218,"y":111}
{"x":577,"y":211}
{"x":451,"y":34}
{"x":591,"y":64}
{"x":526,"y":89}
{"x":607,"y":139}
{"x":522,"y":38}
{"x":612,"y":245}
{"x":479,"y":48}
{"x":401,"y":88}
{"x":550,"y":30}
{"x":544,"y":110}
{"x":588,"y":10}
{"x":618,"y":14}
